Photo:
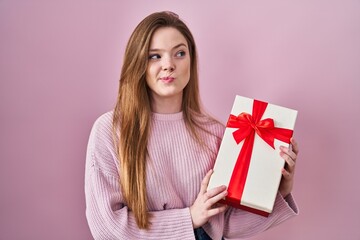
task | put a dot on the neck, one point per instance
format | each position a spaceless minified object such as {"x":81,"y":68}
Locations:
{"x":166,"y":104}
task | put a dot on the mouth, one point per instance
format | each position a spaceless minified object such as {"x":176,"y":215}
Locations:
{"x":167,"y":79}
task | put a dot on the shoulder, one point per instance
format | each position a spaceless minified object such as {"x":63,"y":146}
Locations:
{"x":103,"y":123}
{"x":100,"y":147}
{"x":101,"y":131}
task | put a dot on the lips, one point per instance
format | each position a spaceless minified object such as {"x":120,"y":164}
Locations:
{"x":167,"y":79}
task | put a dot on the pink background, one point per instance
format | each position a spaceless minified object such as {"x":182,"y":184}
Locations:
{"x":59,"y":68}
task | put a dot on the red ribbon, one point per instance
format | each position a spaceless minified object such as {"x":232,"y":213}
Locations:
{"x":247,"y":126}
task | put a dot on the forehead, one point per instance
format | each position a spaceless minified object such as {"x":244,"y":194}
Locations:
{"x":167,"y":38}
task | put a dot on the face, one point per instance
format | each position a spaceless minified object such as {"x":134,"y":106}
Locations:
{"x":168,"y":70}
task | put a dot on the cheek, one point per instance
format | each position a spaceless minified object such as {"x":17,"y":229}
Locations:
{"x":147,"y":76}
{"x":151,"y":72}
{"x":187,"y":69}
{"x":184,"y":67}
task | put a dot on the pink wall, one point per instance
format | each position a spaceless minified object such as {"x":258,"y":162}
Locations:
{"x":59,"y":69}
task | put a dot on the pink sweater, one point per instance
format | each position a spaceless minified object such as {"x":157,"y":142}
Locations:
{"x":175,"y":168}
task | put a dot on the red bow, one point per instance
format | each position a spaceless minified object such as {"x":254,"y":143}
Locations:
{"x":247,"y":126}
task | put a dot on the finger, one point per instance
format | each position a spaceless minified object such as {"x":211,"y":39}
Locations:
{"x":289,"y":152}
{"x":288,"y":157}
{"x":214,"y":192}
{"x":295,"y":146}
{"x":217,"y":197}
{"x":205,"y":181}
{"x":286,"y":174}
{"x":216,"y":210}
{"x":290,"y":163}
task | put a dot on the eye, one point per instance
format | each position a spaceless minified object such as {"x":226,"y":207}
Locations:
{"x":154,"y":56}
{"x":180,"y":53}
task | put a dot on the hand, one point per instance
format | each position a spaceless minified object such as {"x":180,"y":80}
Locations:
{"x":289,"y":155}
{"x":205,"y":205}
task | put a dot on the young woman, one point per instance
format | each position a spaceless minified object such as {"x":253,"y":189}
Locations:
{"x":149,"y":160}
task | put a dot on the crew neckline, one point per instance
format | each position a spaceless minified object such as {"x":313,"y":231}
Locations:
{"x":168,"y":116}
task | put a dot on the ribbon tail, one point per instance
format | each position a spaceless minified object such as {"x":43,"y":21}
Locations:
{"x":267,"y":136}
{"x":282,"y":134}
{"x":239,"y":175}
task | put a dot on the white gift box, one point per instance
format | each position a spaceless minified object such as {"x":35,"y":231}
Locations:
{"x":253,"y":178}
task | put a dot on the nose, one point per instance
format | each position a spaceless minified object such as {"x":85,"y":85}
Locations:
{"x":168,"y":64}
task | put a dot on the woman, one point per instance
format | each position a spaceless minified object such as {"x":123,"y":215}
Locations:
{"x":149,"y":160}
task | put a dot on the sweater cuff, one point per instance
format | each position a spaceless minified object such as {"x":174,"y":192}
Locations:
{"x":286,"y":204}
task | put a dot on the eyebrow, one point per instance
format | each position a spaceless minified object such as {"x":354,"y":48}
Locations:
{"x":177,"y":46}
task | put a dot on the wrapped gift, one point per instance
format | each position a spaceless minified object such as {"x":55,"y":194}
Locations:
{"x":248,"y":161}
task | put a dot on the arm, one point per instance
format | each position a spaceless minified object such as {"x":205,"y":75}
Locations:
{"x":239,"y":223}
{"x":107,"y":215}
{"x":109,"y":218}
{"x":243,"y":224}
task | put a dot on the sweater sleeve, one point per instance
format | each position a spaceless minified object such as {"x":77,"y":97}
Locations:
{"x":108,"y":218}
{"x":107,"y":215}
{"x":243,"y":224}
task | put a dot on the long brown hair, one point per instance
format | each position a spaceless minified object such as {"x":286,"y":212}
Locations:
{"x":132,"y":113}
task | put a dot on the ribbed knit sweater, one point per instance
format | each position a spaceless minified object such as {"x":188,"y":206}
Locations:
{"x":176,"y":166}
